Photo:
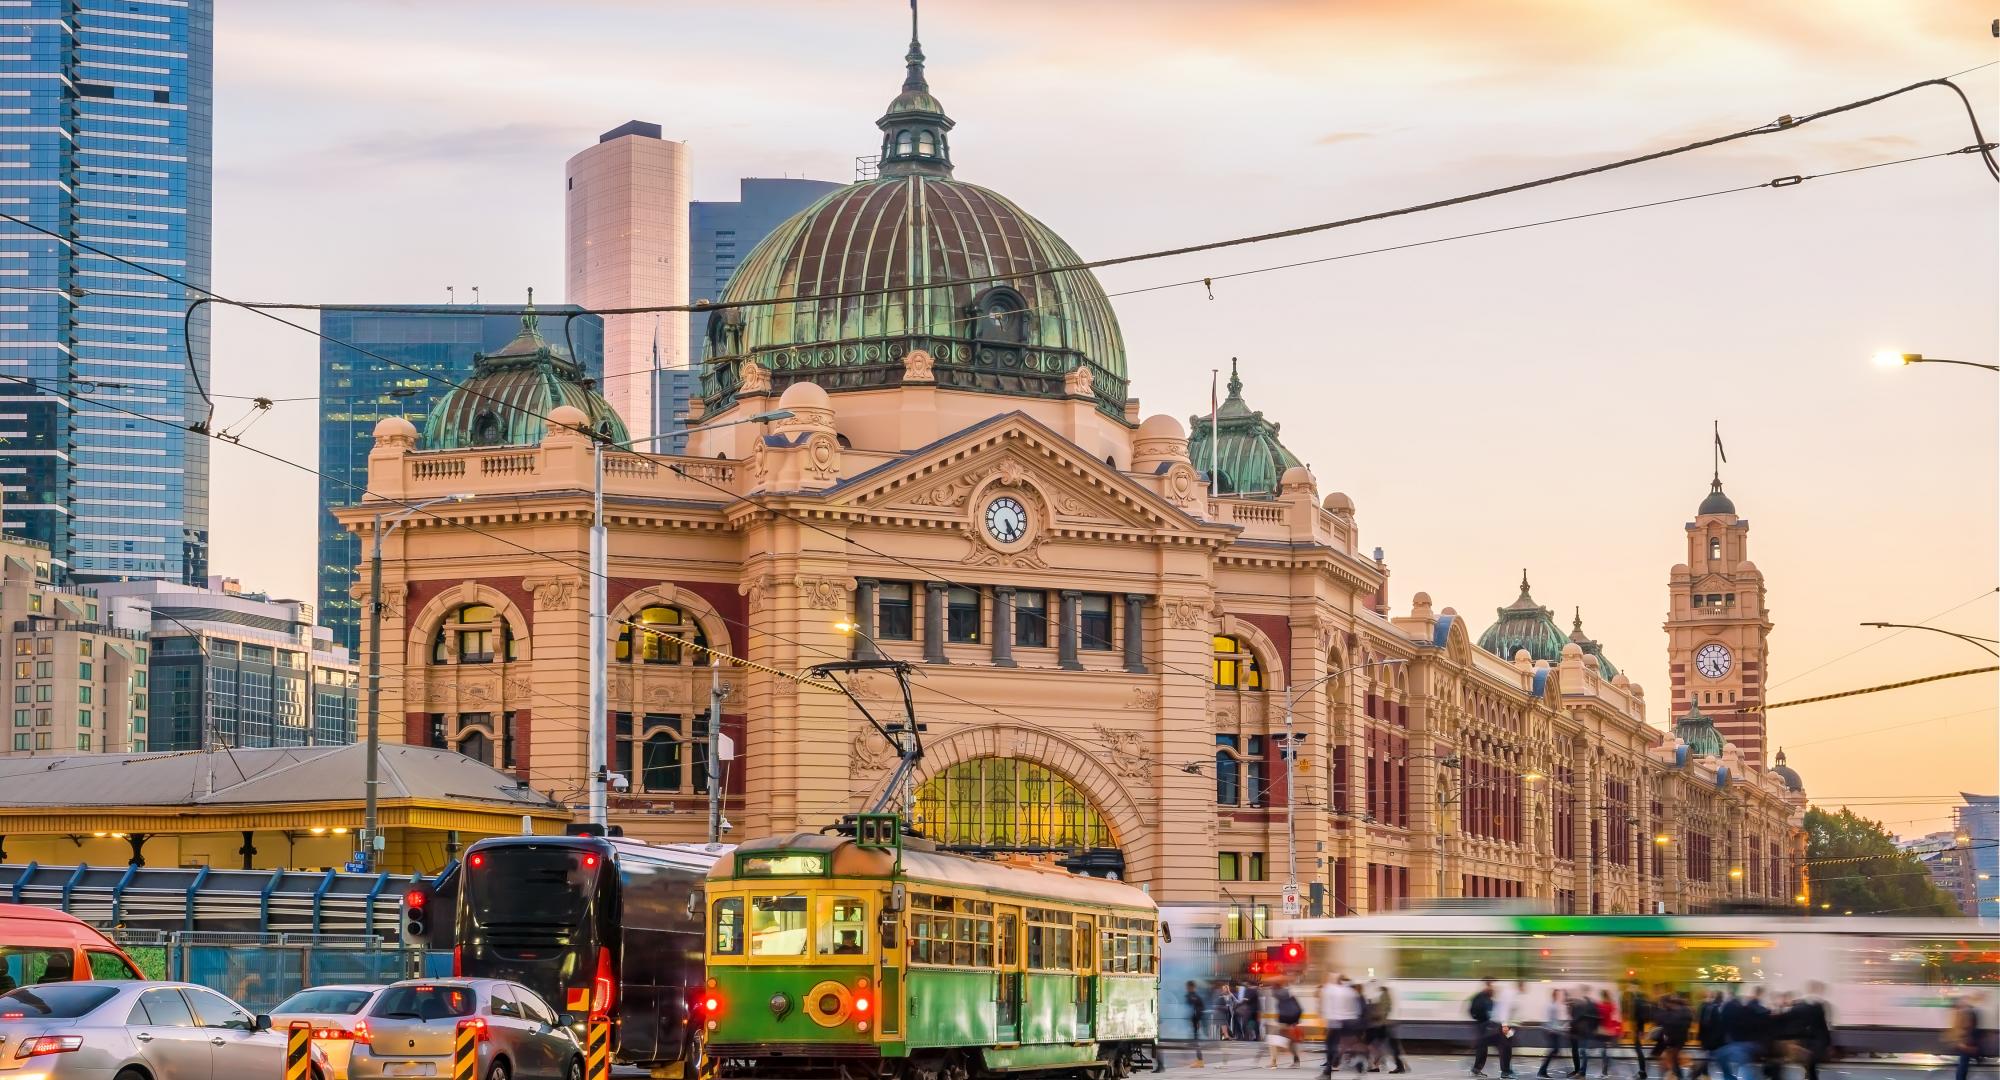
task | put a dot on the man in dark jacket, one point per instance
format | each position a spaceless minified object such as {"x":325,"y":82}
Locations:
{"x":1636,"y":1009}
{"x":1708,"y":1022}
{"x":1812,"y":1026}
{"x":1487,"y":1032}
{"x":1583,"y":1025}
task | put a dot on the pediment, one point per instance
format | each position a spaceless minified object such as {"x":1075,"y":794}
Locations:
{"x":1073,"y":491}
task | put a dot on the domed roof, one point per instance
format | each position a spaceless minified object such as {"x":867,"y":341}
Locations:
{"x":1787,"y":774}
{"x":1003,"y":325}
{"x":1717,"y":502}
{"x":1596,"y":651}
{"x":1525,"y":626}
{"x":510,"y":393}
{"x":1248,"y":459}
{"x":1698,"y":732}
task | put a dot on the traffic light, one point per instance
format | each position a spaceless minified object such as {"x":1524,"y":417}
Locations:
{"x":1292,"y":954}
{"x":417,"y":914}
{"x":1259,"y":965}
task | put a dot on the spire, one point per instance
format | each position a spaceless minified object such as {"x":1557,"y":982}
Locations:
{"x":1781,"y":755}
{"x":1235,"y":381}
{"x":1576,"y":627}
{"x":1524,"y":597}
{"x":530,"y":322}
{"x":914,"y":127}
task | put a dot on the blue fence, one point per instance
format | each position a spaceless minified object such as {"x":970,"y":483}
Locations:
{"x":262,"y":970}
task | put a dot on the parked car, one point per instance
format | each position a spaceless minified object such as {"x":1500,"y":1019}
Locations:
{"x":332,"y":1011}
{"x":411,"y":1026}
{"x":171,"y":1031}
{"x":43,"y":945}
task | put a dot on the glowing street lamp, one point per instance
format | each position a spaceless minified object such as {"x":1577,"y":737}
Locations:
{"x":1896,"y":359}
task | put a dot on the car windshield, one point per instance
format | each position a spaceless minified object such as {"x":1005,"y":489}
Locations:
{"x":429,"y":1001}
{"x":27,"y":965}
{"x":529,"y":886}
{"x":326,"y":1002}
{"x":56,"y":1001}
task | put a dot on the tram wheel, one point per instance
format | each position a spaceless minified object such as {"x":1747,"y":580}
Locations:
{"x":1121,"y":1062}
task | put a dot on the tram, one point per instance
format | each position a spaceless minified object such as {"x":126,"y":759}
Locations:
{"x":1889,"y":983}
{"x":879,"y":956}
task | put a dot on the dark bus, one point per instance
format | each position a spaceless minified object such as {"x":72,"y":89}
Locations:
{"x":596,"y":926}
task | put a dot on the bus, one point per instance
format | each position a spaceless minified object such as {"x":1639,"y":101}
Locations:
{"x":598,"y":926}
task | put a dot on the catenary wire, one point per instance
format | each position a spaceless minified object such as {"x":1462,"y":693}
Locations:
{"x":1880,"y":638}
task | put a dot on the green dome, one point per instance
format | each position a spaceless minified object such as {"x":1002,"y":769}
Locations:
{"x":509,"y":393}
{"x":1590,"y":647}
{"x":1005,"y":327}
{"x":1698,"y":732}
{"x":1525,"y":624}
{"x":1248,"y":458}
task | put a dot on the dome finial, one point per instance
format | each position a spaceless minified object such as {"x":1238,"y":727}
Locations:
{"x":914,"y":59}
{"x":915,"y":128}
{"x":1524,"y":584}
{"x":1576,"y":626}
{"x":529,"y":320}
{"x":1235,"y":380}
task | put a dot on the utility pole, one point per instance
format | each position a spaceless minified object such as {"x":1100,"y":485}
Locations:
{"x":715,"y":695}
{"x":600,"y":618}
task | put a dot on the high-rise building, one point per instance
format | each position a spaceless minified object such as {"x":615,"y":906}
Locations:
{"x":358,"y":385}
{"x":109,"y":148}
{"x":1718,"y":628}
{"x":234,"y":669}
{"x":1976,"y":825}
{"x":77,"y":682}
{"x":626,"y":214}
{"x":721,"y":233}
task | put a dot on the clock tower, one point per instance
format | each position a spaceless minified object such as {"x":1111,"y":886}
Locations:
{"x":1718,"y":628}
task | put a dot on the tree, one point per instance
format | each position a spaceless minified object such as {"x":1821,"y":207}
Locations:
{"x":1854,"y":866}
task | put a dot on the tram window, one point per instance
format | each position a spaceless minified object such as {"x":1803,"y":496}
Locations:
{"x":729,"y":927}
{"x":778,"y":925}
{"x":843,"y":926}
{"x":1008,"y":931}
{"x":982,"y":944}
{"x":1086,"y":940}
{"x":961,"y":942}
{"x":1477,"y":957}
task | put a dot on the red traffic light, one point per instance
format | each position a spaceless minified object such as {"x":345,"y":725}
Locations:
{"x":1293,"y":952}
{"x":417,"y":898}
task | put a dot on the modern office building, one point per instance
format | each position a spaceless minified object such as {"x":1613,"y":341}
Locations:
{"x":397,"y":361}
{"x":721,"y":233}
{"x":626,"y":221}
{"x":77,"y":682}
{"x":673,"y":389}
{"x":1976,"y":824}
{"x":109,"y":148}
{"x":233,"y":669}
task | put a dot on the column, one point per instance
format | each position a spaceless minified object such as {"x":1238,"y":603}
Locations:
{"x":1003,"y":626}
{"x":1135,"y":633}
{"x":1066,"y":637}
{"x":864,"y":619}
{"x":935,"y":593}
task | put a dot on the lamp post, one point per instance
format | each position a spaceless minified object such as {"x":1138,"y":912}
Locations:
{"x":1896,"y":359}
{"x":1975,"y":642}
{"x":600,"y":614}
{"x":1292,"y":697}
{"x":384,"y":525}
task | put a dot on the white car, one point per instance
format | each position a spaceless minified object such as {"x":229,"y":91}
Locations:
{"x":172,"y":1031}
{"x":332,"y":1011}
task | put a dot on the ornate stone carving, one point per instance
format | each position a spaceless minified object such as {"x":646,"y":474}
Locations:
{"x":1144,"y":700}
{"x":867,"y":754}
{"x":755,"y":378}
{"x":1011,"y":472}
{"x":917,"y":367}
{"x":555,"y":594}
{"x":868,"y":688}
{"x":480,"y":692}
{"x":1078,"y":382}
{"x":1183,"y":613}
{"x":520,"y":688}
{"x":981,"y":554}
{"x":1070,"y":504}
{"x":951,"y":492}
{"x":441,"y":693}
{"x":1127,"y":752}
{"x":824,"y":594}
{"x":1183,"y":487}
{"x":757,"y":591}
{"x":823,"y":458}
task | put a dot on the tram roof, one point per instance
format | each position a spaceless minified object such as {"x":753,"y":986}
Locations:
{"x":923,"y":862}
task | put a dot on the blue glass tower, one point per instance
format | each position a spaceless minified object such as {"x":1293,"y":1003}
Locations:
{"x":356,"y":390}
{"x":106,"y":141}
{"x":720,"y":233}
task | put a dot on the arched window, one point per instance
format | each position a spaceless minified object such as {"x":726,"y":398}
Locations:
{"x":926,"y":144}
{"x":1000,"y":315}
{"x":1715,"y":547}
{"x":1235,"y":665}
{"x":662,"y":762}
{"x":1003,"y":804}
{"x":475,"y":745}
{"x":903,"y":143}
{"x":1241,"y":771}
{"x":660,"y":631}
{"x":473,"y":634}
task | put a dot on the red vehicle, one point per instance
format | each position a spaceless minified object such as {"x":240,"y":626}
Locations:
{"x":42,"y":945}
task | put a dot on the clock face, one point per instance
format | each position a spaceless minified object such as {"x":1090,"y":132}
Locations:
{"x":1713,"y":660}
{"x":1006,"y":519}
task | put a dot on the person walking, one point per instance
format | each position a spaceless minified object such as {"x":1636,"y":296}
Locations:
{"x":1962,"y":1037}
{"x":1284,"y":1034}
{"x":1245,"y":1013}
{"x":1583,"y":1024}
{"x":1609,"y":1028}
{"x":1742,"y":1026}
{"x":1555,"y":1026}
{"x":1340,"y":1008}
{"x":1812,"y":1026}
{"x":1380,"y":1033}
{"x":1672,"y":1021}
{"x":1710,"y":1031}
{"x":1197,"y":1011}
{"x":1487,"y":1027}
{"x":1635,"y":1007}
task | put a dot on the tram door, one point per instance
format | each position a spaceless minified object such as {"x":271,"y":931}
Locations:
{"x":1007,"y":987}
{"x":1086,"y":977}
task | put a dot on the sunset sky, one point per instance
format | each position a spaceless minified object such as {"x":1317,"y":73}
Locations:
{"x":1537,"y":399}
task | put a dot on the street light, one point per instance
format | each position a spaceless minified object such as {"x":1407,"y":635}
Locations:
{"x":1975,"y":642}
{"x":600,"y":614}
{"x":1292,"y":755}
{"x":384,"y":525}
{"x":1896,"y":359}
{"x":1663,"y":838}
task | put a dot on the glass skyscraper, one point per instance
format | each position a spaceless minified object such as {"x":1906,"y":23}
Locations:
{"x":356,"y":390}
{"x":721,"y":233}
{"x":106,"y":118}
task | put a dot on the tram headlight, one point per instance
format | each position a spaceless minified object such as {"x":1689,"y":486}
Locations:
{"x":829,"y":1004}
{"x":711,"y":1004}
{"x":780,"y":1005}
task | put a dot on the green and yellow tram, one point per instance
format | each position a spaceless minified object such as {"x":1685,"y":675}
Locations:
{"x":835,"y":958}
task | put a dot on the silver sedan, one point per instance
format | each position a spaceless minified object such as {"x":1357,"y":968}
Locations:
{"x":170,"y":1031}
{"x":411,"y":1028}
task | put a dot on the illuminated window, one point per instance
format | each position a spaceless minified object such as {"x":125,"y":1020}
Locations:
{"x":660,"y":632}
{"x":1004,"y":804}
{"x":473,"y":634}
{"x":1235,"y":665}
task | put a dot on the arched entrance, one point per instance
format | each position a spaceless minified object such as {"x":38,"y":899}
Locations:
{"x":991,"y":804}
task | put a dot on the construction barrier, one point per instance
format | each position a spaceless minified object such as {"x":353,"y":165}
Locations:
{"x":298,"y":1051}
{"x":597,"y":1049}
{"x":465,"y":1049}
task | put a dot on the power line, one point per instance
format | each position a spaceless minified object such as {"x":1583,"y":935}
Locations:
{"x":1880,"y":638}
{"x":1876,"y":689}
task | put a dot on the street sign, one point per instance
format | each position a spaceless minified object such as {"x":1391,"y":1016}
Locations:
{"x":357,"y":866}
{"x":1291,"y":901}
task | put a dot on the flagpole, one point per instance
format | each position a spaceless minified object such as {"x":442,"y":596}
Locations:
{"x":1214,"y":436}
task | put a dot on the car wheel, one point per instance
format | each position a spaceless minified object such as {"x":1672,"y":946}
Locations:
{"x":498,"y":1071}
{"x":575,"y":1069}
{"x":130,"y":1074}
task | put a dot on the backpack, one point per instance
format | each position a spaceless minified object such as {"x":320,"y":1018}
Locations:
{"x":1289,"y":1009}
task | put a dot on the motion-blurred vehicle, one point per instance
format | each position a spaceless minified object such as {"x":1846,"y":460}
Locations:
{"x":332,"y":1011}
{"x":171,"y":1031}
{"x":412,"y":1026}
{"x":41,"y":945}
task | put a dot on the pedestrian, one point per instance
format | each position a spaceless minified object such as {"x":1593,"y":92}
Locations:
{"x":1635,"y":1009}
{"x":1813,"y":1027}
{"x":1245,"y":1010}
{"x":1487,"y":1031}
{"x":1709,"y":1029}
{"x":1555,"y":1026}
{"x":1340,"y":1009}
{"x":1284,"y":1034}
{"x":1583,"y":1024}
{"x":1197,"y":1009}
{"x":1609,"y":1028}
{"x":1381,"y":1034}
{"x":1671,"y":1023}
{"x":1742,"y":1025}
{"x":1962,"y":1036}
